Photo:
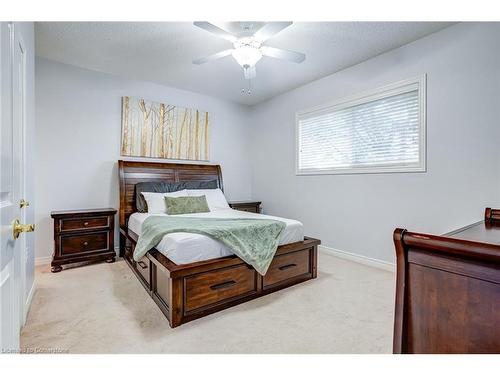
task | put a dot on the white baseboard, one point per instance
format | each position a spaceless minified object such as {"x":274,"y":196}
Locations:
{"x":40,"y":261}
{"x":381,"y":264}
{"x":27,"y":304}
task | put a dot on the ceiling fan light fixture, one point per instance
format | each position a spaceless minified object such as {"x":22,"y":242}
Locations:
{"x":248,"y":45}
{"x":247,"y":55}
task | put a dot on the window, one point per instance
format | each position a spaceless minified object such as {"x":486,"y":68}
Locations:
{"x":381,"y":131}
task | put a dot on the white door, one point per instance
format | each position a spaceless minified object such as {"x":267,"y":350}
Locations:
{"x":11,"y":184}
{"x":19,"y":120}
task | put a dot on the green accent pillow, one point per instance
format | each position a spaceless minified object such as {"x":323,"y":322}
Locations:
{"x":186,"y":205}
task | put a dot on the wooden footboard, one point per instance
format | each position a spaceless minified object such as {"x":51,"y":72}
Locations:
{"x":448,"y":290}
{"x":191,"y":291}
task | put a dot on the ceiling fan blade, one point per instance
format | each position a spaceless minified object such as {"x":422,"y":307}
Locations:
{"x":270,"y":29}
{"x":250,"y":72}
{"x":283,"y":54}
{"x":207,"y":26}
{"x":215,"y":56}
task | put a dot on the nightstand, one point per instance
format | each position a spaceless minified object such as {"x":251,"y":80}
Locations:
{"x":249,"y":206}
{"x":83,"y":236}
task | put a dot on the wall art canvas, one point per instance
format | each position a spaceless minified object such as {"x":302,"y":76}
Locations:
{"x":159,"y":130}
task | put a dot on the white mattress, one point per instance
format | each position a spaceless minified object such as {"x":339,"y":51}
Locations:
{"x":182,"y":248}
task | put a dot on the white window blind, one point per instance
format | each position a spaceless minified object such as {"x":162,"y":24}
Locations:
{"x":383,"y":131}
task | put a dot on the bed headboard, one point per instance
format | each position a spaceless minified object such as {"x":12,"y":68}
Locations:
{"x":132,"y":172}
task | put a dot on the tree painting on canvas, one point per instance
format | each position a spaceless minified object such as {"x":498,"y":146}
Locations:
{"x":158,"y":130}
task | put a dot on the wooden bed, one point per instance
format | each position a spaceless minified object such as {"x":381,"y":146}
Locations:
{"x":190,"y":291}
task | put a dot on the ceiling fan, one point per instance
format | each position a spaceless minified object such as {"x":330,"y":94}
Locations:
{"x":248,"y":46}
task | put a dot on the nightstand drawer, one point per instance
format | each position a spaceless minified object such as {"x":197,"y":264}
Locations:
{"x":248,"y":209}
{"x":84,"y":242}
{"x":84,"y":223}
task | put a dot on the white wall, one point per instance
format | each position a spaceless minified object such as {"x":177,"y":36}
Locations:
{"x":78,"y":134}
{"x":78,"y":116}
{"x":358,"y":213}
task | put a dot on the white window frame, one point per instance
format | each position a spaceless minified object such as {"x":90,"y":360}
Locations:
{"x":368,"y":96}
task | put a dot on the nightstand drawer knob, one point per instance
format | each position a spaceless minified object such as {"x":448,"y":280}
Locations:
{"x":85,"y":243}
{"x":86,"y":223}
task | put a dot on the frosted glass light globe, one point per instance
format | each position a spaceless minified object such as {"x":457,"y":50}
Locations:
{"x":247,"y":55}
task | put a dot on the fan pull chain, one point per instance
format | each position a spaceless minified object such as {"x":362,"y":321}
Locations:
{"x":249,"y":89}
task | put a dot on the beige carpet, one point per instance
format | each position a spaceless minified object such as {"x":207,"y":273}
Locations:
{"x":102,"y":308}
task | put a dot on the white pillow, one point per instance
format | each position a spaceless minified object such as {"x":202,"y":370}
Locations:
{"x":215,"y":198}
{"x":156,"y":201}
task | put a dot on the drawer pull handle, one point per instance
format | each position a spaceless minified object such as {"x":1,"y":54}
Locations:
{"x":142,"y":264}
{"x":287,"y":266}
{"x":225,"y":284}
{"x":86,"y":223}
{"x":85,"y":243}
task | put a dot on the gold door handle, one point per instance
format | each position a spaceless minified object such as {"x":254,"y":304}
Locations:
{"x":18,"y":228}
{"x":23,"y":203}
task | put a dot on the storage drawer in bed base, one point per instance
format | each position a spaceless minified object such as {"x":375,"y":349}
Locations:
{"x":141,"y":269}
{"x":187,"y":292}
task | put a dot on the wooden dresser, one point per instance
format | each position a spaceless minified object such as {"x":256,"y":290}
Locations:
{"x":83,"y":236}
{"x":249,"y":206}
{"x":448,"y":290}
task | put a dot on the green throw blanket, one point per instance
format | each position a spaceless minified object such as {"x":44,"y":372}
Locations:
{"x":253,"y":240}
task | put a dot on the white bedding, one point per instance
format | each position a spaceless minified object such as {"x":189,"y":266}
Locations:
{"x":182,"y":248}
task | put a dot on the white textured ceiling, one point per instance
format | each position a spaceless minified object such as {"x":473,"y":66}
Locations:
{"x":163,"y":52}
